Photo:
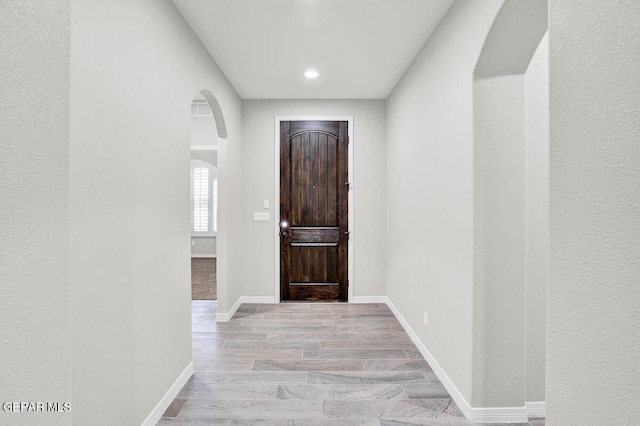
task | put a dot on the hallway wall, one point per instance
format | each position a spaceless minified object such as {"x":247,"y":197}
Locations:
{"x":102,"y":319}
{"x":510,"y":249}
{"x":258,"y":118}
{"x":458,"y":122}
{"x":536,"y":122}
{"x":430,"y":192}
{"x":499,"y":313}
{"x":593,"y":359}
{"x":135,"y":68}
{"x":34,"y":208}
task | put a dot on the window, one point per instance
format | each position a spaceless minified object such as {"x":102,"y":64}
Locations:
{"x":204,"y":199}
{"x":201,"y":109}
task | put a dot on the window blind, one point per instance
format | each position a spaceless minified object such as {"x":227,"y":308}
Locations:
{"x":201,"y":199}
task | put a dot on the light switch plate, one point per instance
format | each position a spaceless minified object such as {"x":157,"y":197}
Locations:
{"x":265,"y":204}
{"x":261,"y":216}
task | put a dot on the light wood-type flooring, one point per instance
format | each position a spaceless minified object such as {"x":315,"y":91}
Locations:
{"x":309,"y":364}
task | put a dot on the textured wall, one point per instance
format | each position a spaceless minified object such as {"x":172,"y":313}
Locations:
{"x":593,"y":354}
{"x":135,"y":68}
{"x":34,"y":194}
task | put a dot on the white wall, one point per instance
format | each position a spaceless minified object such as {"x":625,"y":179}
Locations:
{"x":204,"y":131}
{"x":593,"y":353}
{"x":499,"y":243}
{"x":34,"y":209}
{"x":210,"y":157}
{"x":511,"y":234}
{"x":510,"y":209}
{"x":369,"y":190}
{"x":458,"y":177}
{"x":135,"y":68}
{"x":430,"y":208}
{"x":537,"y":219}
{"x":203,"y":247}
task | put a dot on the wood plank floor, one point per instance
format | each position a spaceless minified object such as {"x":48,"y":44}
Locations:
{"x":309,"y":364}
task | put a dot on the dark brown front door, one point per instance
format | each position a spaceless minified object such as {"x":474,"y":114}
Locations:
{"x":313,"y":210}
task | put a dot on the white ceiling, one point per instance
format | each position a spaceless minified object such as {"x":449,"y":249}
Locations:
{"x":361,"y":48}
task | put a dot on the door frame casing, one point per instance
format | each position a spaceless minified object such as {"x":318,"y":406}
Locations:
{"x":276,"y":198}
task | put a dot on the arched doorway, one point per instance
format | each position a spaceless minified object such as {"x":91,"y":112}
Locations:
{"x":511,"y":145}
{"x":208,"y":156}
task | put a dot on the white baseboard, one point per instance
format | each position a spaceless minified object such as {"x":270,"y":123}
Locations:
{"x":478,"y":415}
{"x":171,"y":394}
{"x":369,"y":299}
{"x":205,"y":256}
{"x":536,"y":409}
{"x":446,"y":381}
{"x":498,"y":415}
{"x":224,"y":317}
{"x":258,"y":299}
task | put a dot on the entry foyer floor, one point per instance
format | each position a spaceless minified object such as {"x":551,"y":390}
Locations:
{"x":309,"y":364}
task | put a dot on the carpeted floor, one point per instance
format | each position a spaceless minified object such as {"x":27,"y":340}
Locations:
{"x":203,"y":279}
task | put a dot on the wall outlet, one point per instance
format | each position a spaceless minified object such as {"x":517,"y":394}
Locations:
{"x":426,"y":319}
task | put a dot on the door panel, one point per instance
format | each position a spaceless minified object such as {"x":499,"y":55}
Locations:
{"x":313,"y":213}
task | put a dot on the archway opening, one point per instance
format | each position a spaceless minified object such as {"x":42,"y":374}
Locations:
{"x":511,"y":141}
{"x":208,"y":131}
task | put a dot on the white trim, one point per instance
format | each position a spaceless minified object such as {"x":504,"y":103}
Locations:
{"x":204,"y":256}
{"x":478,"y":415}
{"x":498,"y":415}
{"x":369,"y":299}
{"x":536,"y":409}
{"x":166,"y":400}
{"x":197,"y":104}
{"x":258,"y":299}
{"x":223,"y":222}
{"x":446,"y":381}
{"x":224,"y":317}
{"x":351,"y":174}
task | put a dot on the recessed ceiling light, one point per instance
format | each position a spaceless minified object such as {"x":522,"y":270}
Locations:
{"x":311,"y":74}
